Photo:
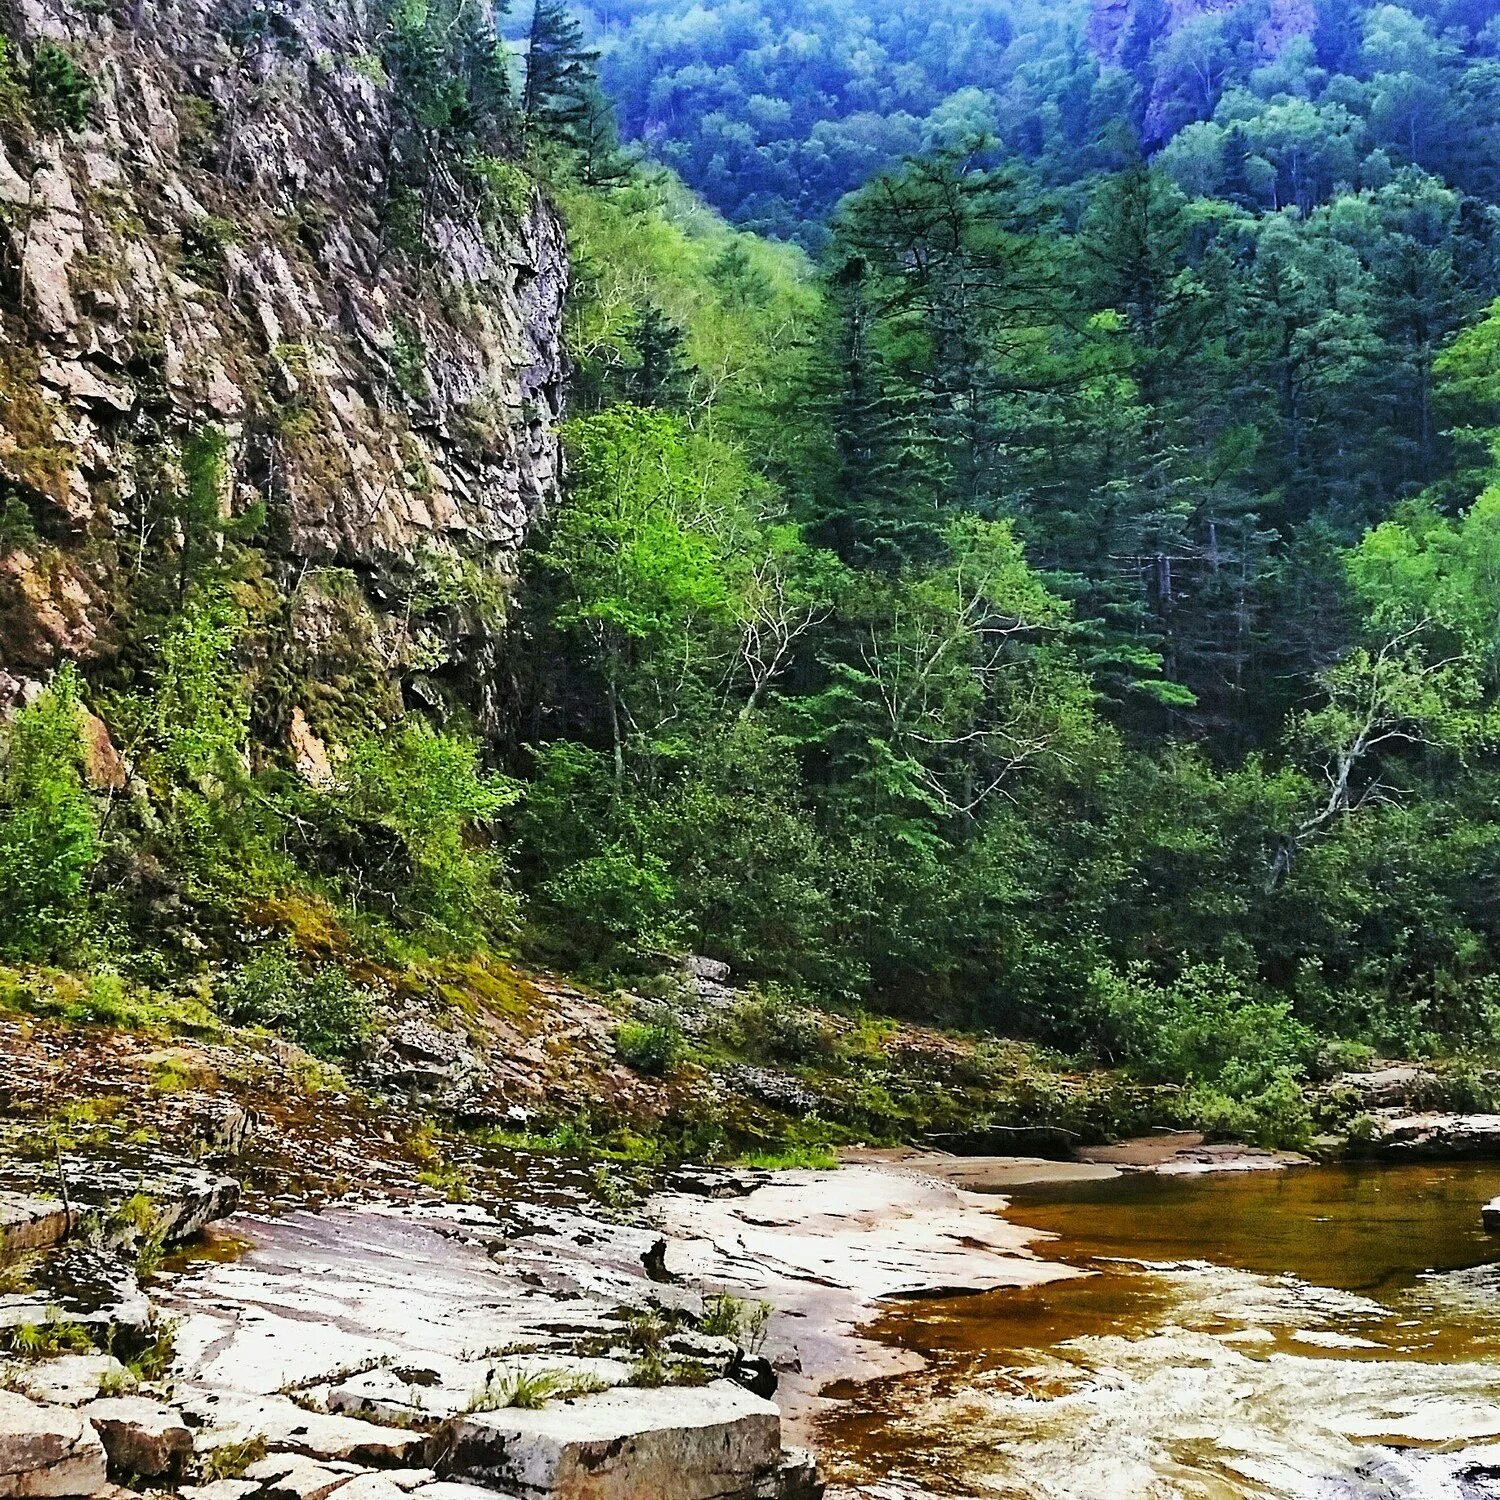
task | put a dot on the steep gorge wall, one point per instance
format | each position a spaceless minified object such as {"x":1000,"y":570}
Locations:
{"x":1122,"y":31}
{"x":212,"y":254}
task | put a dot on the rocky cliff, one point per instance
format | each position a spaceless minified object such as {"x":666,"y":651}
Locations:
{"x":1124,"y":33}
{"x":1112,"y":23}
{"x":213,"y":278}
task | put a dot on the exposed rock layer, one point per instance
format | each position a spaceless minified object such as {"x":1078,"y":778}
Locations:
{"x":213,"y":254}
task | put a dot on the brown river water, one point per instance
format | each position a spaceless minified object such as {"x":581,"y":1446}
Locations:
{"x":1322,"y":1332}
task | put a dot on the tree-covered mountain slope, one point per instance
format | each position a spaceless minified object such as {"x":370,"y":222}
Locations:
{"x":1062,"y":606}
{"x":775,"y":112}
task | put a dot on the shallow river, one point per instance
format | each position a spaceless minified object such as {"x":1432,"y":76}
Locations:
{"x":1320,"y":1332}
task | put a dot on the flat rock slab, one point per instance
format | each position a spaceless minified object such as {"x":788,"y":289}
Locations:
{"x":32,"y":1223}
{"x":676,"y":1443}
{"x":444,"y":1388}
{"x":983,"y":1174}
{"x":183,"y":1196}
{"x":826,"y":1247}
{"x":291,"y":1476}
{"x":82,"y":1284}
{"x":1434,"y":1136}
{"x":141,"y":1437}
{"x":320,"y":1294}
{"x":230,"y":1417}
{"x":47,"y":1451}
{"x":66,"y":1379}
{"x":220,"y":1489}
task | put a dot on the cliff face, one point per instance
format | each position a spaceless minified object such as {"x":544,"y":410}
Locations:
{"x":1120,"y":30}
{"x":212,"y":266}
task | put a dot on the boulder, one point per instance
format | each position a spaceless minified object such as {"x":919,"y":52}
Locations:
{"x":1435,"y":1135}
{"x":182,"y":1195}
{"x":1489,"y":1215}
{"x":416,"y":1056}
{"x":796,"y":1478}
{"x":31,"y":1223}
{"x":141,"y":1436}
{"x":47,"y":1452}
{"x":1389,"y":1087}
{"x":755,"y":1372}
{"x":87,"y":1285}
{"x":714,"y":1442}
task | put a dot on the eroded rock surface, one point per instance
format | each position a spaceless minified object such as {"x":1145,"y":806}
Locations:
{"x":213,"y":253}
{"x":47,"y":1451}
{"x":393,"y":1338}
{"x":825,"y":1248}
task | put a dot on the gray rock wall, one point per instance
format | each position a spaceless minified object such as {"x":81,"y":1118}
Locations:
{"x":213,"y":254}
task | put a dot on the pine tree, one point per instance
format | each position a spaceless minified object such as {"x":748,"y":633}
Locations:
{"x":880,"y":507}
{"x":659,"y":373}
{"x":560,"y":88}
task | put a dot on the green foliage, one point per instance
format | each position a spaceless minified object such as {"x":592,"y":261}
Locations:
{"x":446,"y":69}
{"x":650,"y":1047}
{"x":54,"y":1335}
{"x":323,"y":1011}
{"x":1067,"y":608}
{"x":205,"y":239}
{"x":1204,"y":1027}
{"x":230,"y":1460}
{"x":506,"y":186}
{"x":48,"y":825}
{"x":558,"y":74}
{"x":405,"y":220}
{"x":12,"y":95}
{"x":62,"y":93}
{"x":726,"y":1316}
{"x":421,"y":798}
{"x":1275,"y":1115}
{"x":409,"y":359}
{"x":530,"y":1390}
{"x":774,"y":1027}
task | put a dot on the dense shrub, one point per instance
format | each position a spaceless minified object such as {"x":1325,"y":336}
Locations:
{"x":48,"y":827}
{"x":62,"y":93}
{"x":409,"y":818}
{"x":322,"y":1010}
{"x":650,"y":1047}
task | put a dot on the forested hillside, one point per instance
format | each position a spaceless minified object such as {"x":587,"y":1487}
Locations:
{"x":1065,"y":603}
{"x":774,"y":112}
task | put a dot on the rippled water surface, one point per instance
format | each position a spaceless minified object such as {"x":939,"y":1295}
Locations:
{"x":1322,"y":1332}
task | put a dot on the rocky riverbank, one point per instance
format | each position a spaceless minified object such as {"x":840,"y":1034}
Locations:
{"x":524,"y":1348}
{"x":529,"y":1344}
{"x":528,"y":1350}
{"x":525,"y":1344}
{"x":465,"y":1266}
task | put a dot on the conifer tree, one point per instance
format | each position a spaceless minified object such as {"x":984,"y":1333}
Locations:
{"x":559,"y":88}
{"x":659,"y":373}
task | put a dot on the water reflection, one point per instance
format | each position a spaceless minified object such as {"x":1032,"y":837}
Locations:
{"x":1323,"y":1333}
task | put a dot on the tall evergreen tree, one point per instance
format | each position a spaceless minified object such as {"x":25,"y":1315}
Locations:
{"x":559,"y":94}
